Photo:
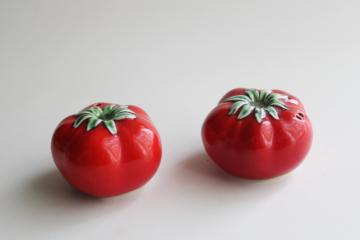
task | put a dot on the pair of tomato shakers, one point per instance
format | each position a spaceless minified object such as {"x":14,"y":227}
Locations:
{"x":109,"y":149}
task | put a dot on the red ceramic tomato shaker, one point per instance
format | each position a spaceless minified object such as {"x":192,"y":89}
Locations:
{"x":257,"y":134}
{"x":107,"y":149}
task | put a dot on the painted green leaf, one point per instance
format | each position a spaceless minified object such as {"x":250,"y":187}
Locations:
{"x":124,"y":116}
{"x":94,"y":111}
{"x":245,"y":111}
{"x":97,"y":111}
{"x":93,"y":122}
{"x":110,"y":125}
{"x":272,"y":111}
{"x":81,"y":119}
{"x":259,"y":114}
{"x":108,"y":108}
{"x":236,"y":106}
{"x":251,"y":95}
{"x":277,"y":103}
{"x":256,"y":94}
{"x":262,"y":95}
{"x":89,"y":111}
{"x":268,"y":99}
{"x":120,"y":111}
{"x":123,"y":107}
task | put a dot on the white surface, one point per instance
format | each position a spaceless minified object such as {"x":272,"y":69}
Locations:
{"x":176,"y":59}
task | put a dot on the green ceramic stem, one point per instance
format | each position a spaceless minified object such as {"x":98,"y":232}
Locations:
{"x":108,"y":115}
{"x":259,"y":101}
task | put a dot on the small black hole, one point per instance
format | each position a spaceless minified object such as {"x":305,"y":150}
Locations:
{"x":300,"y":116}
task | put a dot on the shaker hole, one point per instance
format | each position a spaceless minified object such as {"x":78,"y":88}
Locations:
{"x":300,"y":116}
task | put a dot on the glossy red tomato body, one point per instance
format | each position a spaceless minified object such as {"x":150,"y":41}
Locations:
{"x":107,"y":152}
{"x":271,"y":135}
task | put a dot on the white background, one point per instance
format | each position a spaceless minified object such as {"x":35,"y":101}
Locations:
{"x":176,"y":59}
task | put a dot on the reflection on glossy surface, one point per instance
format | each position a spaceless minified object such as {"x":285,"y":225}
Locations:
{"x":112,"y":147}
{"x":145,"y":141}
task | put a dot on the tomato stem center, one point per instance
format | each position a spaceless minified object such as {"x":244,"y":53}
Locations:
{"x":108,"y":115}
{"x":259,"y":101}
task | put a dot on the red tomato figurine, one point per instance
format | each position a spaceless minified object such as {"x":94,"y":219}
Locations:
{"x":107,"y":149}
{"x":257,"y":134}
